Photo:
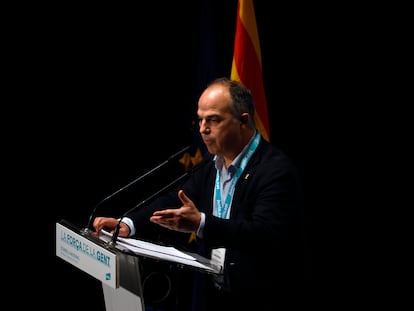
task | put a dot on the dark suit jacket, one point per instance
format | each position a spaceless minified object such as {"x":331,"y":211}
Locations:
{"x":264,"y":233}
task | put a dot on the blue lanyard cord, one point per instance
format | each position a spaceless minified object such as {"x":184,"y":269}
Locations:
{"x":223,"y":211}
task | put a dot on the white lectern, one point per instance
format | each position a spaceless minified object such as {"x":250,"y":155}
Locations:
{"x":118,"y":268}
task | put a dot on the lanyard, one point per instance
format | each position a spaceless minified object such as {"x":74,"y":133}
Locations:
{"x":222,"y":210}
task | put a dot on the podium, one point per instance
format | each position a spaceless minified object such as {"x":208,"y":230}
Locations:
{"x":119,"y":267}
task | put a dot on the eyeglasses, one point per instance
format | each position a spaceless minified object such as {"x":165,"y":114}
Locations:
{"x":209,"y":121}
{"x":214,"y":121}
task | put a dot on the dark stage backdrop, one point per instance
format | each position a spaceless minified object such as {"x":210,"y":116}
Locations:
{"x":116,"y":97}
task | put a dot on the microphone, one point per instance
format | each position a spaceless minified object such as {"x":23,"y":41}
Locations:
{"x":156,"y":168}
{"x":115,"y":235}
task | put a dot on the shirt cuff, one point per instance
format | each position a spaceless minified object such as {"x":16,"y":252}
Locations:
{"x":130,"y":224}
{"x":200,"y":230}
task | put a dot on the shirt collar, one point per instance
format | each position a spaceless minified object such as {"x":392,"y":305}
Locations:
{"x":219,"y":160}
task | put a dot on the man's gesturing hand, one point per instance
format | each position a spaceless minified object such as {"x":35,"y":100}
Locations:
{"x":185,"y":219}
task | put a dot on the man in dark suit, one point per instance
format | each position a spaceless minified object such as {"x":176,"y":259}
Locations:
{"x":244,"y":204}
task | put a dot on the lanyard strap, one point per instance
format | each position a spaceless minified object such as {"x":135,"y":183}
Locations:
{"x":222,"y":210}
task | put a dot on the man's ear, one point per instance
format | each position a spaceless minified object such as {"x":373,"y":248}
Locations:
{"x":244,"y":118}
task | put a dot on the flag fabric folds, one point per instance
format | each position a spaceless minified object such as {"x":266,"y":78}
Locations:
{"x":246,"y":65}
{"x":247,"y":62}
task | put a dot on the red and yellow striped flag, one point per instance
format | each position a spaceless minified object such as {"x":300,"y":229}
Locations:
{"x":247,"y":62}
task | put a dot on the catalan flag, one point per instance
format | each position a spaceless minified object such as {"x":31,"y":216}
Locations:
{"x":247,"y":62}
